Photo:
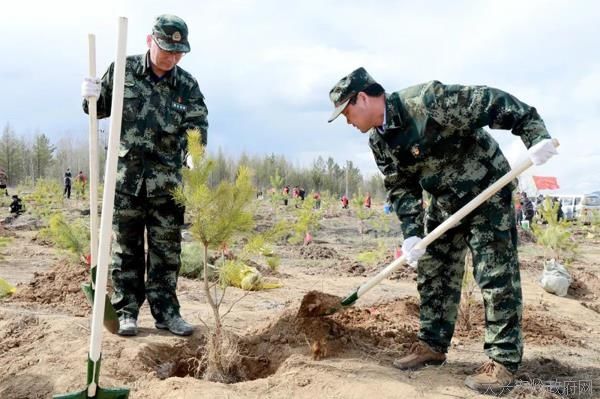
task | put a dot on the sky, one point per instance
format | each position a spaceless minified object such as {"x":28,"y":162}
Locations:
{"x":266,"y":68}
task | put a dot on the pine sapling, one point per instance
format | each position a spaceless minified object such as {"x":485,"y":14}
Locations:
{"x":217,"y":215}
{"x":554,"y":236}
{"x":306,"y":221}
{"x":361,"y":212}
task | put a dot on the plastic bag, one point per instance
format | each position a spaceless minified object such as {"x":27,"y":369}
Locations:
{"x":6,"y":288}
{"x":555,"y":278}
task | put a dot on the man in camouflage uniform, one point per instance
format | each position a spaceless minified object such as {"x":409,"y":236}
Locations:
{"x":430,"y":138}
{"x":161,"y":102}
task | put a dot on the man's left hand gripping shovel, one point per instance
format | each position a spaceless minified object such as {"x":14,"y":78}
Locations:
{"x":316,"y":304}
{"x":93,"y":364}
{"x":111,"y":320}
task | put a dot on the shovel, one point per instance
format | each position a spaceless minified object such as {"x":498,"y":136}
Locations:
{"x":93,"y":363}
{"x":111,"y":320}
{"x":315,"y":304}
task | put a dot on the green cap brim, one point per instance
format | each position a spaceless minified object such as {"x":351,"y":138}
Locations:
{"x":338,"y":110}
{"x":182,"y":47}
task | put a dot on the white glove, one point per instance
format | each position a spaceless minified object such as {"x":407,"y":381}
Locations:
{"x":90,"y":87}
{"x":412,"y":254}
{"x":542,"y":151}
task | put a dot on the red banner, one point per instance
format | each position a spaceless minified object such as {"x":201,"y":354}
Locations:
{"x":545,"y":182}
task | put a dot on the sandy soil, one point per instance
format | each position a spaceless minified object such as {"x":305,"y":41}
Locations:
{"x":44,"y":330}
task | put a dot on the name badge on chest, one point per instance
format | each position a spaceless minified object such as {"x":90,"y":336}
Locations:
{"x":178,"y":106}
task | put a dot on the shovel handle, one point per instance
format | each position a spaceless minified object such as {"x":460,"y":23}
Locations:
{"x":93,"y":152}
{"x":108,"y":198}
{"x":442,"y":228}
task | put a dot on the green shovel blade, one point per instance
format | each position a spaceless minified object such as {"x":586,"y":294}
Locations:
{"x":350,"y":299}
{"x":101,"y":393}
{"x":93,"y":375}
{"x":111,"y":319}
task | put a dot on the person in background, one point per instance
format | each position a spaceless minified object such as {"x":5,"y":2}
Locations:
{"x":286,"y":194}
{"x":367,"y":202}
{"x":317,"y":198}
{"x":527,"y":207}
{"x":560,"y":215}
{"x":16,"y":206}
{"x":67,"y":183}
{"x":80,"y":181}
{"x":344,"y":201}
{"x":518,"y":209}
{"x":539,"y":200}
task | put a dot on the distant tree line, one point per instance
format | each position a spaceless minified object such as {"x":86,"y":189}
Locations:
{"x":323,"y":175}
{"x":26,"y":159}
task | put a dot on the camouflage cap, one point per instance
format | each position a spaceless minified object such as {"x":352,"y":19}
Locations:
{"x":171,"y":33}
{"x":345,"y":89}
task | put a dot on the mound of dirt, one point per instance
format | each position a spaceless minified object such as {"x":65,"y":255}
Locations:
{"x":405,"y":272}
{"x":531,"y":265}
{"x":538,"y":327}
{"x":317,"y":252}
{"x":58,"y":288}
{"x":351,"y":268}
{"x":400,"y":318}
{"x":386,"y":328}
{"x":585,"y":286}
{"x":525,"y":236}
{"x":368,"y":331}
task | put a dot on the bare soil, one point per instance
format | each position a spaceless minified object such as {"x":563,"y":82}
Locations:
{"x":317,"y":252}
{"x":44,"y":330}
{"x":58,"y":288}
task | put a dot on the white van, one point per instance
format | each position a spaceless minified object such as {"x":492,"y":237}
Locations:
{"x":579,"y":206}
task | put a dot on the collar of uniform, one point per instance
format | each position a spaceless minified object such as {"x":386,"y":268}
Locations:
{"x":170,"y":77}
{"x":393,"y":112}
{"x":381,"y":128}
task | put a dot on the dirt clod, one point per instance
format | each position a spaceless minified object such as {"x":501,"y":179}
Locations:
{"x":318,"y":252}
{"x":315,"y":304}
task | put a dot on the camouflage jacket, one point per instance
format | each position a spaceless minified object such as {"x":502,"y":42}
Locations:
{"x":433,"y":140}
{"x":156,"y":116}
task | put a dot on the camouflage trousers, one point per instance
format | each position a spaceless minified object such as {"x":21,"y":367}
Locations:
{"x":161,"y":218}
{"x":491,"y":236}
